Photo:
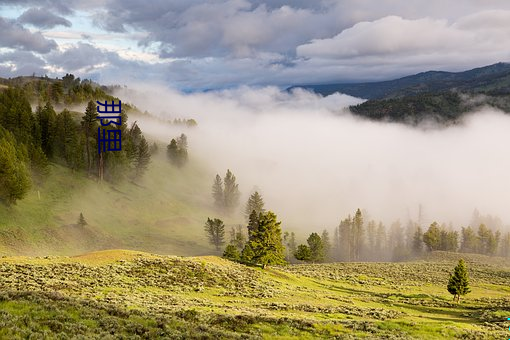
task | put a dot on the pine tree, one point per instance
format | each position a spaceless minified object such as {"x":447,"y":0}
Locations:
{"x":14,"y":175}
{"x":247,"y":254}
{"x":253,"y":224}
{"x":316,"y":247}
{"x":89,"y":125}
{"x":357,"y":234}
{"x":432,"y":237}
{"x":237,"y":237}
{"x":303,"y":253}
{"x":231,"y":192}
{"x":81,"y":220}
{"x":217,"y":193}
{"x":215,"y":230}
{"x":255,"y":203}
{"x":418,"y":241}
{"x":458,"y":283}
{"x":231,"y":253}
{"x":143,"y":158}
{"x":345,"y":233}
{"x":326,"y":243}
{"x":266,"y":241}
{"x":470,"y":243}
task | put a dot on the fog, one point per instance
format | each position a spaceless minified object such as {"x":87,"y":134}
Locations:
{"x":314,"y":163}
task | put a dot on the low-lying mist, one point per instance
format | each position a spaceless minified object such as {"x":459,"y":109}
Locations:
{"x":315,"y":163}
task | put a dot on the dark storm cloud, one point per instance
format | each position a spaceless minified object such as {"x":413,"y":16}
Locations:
{"x":16,"y":36}
{"x":42,"y":18}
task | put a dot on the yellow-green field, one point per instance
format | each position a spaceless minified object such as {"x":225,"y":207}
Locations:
{"x":126,"y":294}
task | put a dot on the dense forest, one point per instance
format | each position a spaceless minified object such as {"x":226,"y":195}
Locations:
{"x":30,"y":140}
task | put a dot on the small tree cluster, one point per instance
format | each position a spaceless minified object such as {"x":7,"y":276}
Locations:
{"x":215,"y":231}
{"x":177,"y":151}
{"x":226,"y":193}
{"x":315,"y":251}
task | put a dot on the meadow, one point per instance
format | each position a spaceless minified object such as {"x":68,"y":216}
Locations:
{"x":136,"y":295}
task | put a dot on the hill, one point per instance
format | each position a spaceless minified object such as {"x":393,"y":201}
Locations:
{"x":488,"y":79}
{"x":139,"y":295}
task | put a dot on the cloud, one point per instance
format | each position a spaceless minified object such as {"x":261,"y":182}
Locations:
{"x":15,"y":36}
{"x":80,"y":56}
{"x":42,"y":18}
{"x":21,"y":62}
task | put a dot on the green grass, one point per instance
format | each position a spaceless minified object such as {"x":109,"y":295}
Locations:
{"x":140,"y":295}
{"x":164,"y":212}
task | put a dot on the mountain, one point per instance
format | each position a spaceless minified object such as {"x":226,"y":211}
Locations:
{"x":488,"y":79}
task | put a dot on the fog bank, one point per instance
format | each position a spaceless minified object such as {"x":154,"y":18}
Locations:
{"x":315,"y":163}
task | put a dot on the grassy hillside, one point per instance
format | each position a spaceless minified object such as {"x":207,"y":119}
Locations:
{"x":139,"y":295}
{"x":164,"y":213}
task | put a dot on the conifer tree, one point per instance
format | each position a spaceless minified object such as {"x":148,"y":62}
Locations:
{"x":266,"y":241}
{"x":418,"y":241}
{"x":215,"y":231}
{"x":81,"y":220}
{"x":89,"y":125}
{"x":303,"y":253}
{"x":143,"y":158}
{"x":231,"y":253}
{"x":458,"y":283}
{"x":255,"y":203}
{"x":230,"y":192}
{"x":432,"y":237}
{"x":217,"y":193}
{"x":357,"y":234}
{"x":316,"y":247}
{"x":14,"y":175}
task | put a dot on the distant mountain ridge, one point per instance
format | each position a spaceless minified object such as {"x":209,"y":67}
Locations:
{"x":492,"y":79}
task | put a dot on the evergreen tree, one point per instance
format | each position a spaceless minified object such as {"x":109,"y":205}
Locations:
{"x":316,"y":247}
{"x":303,"y":253}
{"x":381,"y":239}
{"x":143,"y":158}
{"x":371,"y":237}
{"x":289,"y":240}
{"x":67,"y":140}
{"x":418,"y":241}
{"x":345,"y":231}
{"x":247,"y":254}
{"x":469,"y":241}
{"x":14,"y":176}
{"x":217,"y":193}
{"x":432,"y":237}
{"x":230,"y":192}
{"x":357,"y":234}
{"x":505,"y":245}
{"x":89,"y":125}
{"x":46,"y":118}
{"x":458,"y":283}
{"x":266,"y":241}
{"x":81,"y":220}
{"x":215,"y":230}
{"x":237,"y":237}
{"x":231,"y":253}
{"x":255,"y":203}
{"x":326,"y":243}
{"x":177,"y":151}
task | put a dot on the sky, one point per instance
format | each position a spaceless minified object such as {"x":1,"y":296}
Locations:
{"x":202,"y":45}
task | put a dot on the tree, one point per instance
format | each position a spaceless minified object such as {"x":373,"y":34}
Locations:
{"x":418,"y":241}
{"x":255,"y":203}
{"x":345,"y":233}
{"x":316,"y":247}
{"x":469,"y":241}
{"x":143,"y":158}
{"x":81,"y":221}
{"x":231,"y":192}
{"x":303,"y":253}
{"x":14,"y":175}
{"x":231,"y":253}
{"x":458,"y":284}
{"x":289,"y":239}
{"x":326,"y":243}
{"x":237,"y":237}
{"x":357,"y":234}
{"x":215,"y":230}
{"x":217,"y":192}
{"x":177,"y":151}
{"x":266,"y":241}
{"x":247,"y":254}
{"x":89,"y":125}
{"x":432,"y":237}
